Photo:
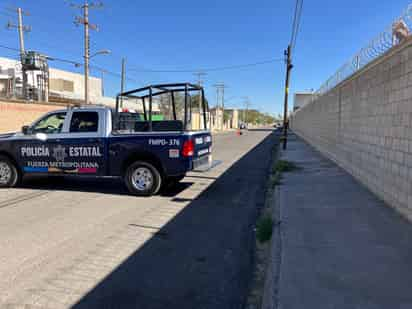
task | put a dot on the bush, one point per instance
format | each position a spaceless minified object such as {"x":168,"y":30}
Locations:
{"x":284,"y":166}
{"x":264,"y":229}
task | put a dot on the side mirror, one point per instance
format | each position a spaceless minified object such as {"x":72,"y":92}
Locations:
{"x":26,"y":130}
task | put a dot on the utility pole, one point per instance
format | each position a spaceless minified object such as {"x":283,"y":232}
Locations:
{"x":86,"y":51}
{"x":21,"y":30}
{"x":289,"y":67}
{"x":102,"y":77}
{"x":85,"y":21}
{"x":247,"y":104}
{"x":217,"y":105}
{"x":122,"y":84}
{"x":200,"y":83}
{"x":220,"y":89}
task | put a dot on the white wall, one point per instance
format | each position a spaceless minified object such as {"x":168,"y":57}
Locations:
{"x":365,"y":125}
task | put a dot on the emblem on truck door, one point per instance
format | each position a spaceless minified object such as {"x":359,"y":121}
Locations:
{"x":59,"y":153}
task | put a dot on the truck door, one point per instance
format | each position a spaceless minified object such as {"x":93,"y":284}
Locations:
{"x":35,"y":151}
{"x":84,"y":143}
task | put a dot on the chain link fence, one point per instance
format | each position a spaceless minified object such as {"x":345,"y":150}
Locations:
{"x":392,"y":36}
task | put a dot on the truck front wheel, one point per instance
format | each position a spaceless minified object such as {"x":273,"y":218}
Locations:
{"x":143,"y":179}
{"x":9,"y":176}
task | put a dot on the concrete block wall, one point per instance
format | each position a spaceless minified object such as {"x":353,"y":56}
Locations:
{"x":15,"y":115}
{"x":365,"y":125}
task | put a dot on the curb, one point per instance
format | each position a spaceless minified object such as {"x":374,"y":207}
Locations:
{"x":270,"y":299}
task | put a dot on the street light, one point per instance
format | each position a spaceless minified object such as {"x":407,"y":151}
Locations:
{"x":86,"y":72}
{"x":101,"y":52}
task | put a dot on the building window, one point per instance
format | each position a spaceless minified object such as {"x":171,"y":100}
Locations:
{"x":59,"y":84}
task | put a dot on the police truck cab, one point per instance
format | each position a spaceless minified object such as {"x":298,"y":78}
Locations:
{"x":160,"y":136}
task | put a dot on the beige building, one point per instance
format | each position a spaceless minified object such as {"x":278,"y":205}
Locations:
{"x":302,"y":98}
{"x":71,"y":85}
{"x":232,"y":121}
{"x":217,"y":120}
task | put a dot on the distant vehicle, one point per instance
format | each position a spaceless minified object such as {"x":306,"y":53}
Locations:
{"x":100,"y":142}
{"x":243,"y":126}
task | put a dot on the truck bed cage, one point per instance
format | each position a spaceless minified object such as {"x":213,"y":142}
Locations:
{"x":164,"y":88}
{"x":151,"y":91}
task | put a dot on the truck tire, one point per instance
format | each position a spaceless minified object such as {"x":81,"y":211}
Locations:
{"x":143,"y":179}
{"x":9,"y":175}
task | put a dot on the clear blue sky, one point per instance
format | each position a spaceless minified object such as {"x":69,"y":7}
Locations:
{"x":183,"y":34}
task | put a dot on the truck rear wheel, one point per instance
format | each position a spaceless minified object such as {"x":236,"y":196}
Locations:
{"x":9,"y":175}
{"x":143,"y":179}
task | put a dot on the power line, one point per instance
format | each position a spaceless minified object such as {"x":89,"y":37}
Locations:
{"x":10,"y":48}
{"x":76,"y":64}
{"x":292,"y":33}
{"x":223,"y":68}
{"x":289,"y":66}
{"x":296,"y":23}
{"x":115,"y":74}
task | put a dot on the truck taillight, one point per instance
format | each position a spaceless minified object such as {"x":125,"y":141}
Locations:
{"x":188,"y":148}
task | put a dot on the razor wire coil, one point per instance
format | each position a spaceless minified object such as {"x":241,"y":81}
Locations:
{"x":376,"y":48}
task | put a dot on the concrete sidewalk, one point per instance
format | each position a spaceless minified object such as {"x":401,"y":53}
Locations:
{"x":340,"y":246}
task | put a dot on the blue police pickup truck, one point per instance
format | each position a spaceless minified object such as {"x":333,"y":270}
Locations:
{"x":146,"y":152}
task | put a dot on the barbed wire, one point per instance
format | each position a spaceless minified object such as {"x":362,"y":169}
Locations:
{"x":391,"y":36}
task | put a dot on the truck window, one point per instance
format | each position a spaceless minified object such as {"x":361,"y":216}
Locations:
{"x":50,"y":124}
{"x":132,"y":122}
{"x":82,"y":122}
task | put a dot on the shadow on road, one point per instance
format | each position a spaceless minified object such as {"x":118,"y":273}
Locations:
{"x":203,"y":257}
{"x":96,"y":185}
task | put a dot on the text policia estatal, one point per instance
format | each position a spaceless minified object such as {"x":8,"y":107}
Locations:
{"x":43,"y":151}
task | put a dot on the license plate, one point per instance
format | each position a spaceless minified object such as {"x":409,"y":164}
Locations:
{"x":203,"y":152}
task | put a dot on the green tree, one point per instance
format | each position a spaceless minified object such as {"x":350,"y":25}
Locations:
{"x":195,"y":102}
{"x":255,"y":117}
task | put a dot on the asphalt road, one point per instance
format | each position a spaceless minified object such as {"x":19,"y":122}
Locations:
{"x":87,"y":244}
